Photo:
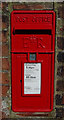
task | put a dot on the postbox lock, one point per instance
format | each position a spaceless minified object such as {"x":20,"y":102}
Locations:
{"x":32,"y":56}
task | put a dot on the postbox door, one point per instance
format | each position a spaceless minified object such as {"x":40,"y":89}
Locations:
{"x":41,"y":99}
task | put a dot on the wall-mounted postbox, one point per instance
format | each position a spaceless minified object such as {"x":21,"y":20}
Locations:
{"x":32,"y":56}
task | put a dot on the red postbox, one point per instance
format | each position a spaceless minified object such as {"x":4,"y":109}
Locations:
{"x":32,"y":60}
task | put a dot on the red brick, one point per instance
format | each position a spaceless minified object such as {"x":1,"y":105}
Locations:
{"x":4,"y":78}
{"x":35,"y":6}
{"x":0,"y":115}
{"x":0,"y":50}
{"x":0,"y":103}
{"x":5,"y":64}
{"x":0,"y":22}
{"x":38,"y":6}
{"x":31,"y":114}
{"x":19,"y":6}
{"x":0,"y":63}
{"x":4,"y":36}
{"x":0,"y":36}
{"x":0,"y":77}
{"x":4,"y":90}
{"x":5,"y":50}
{"x":4,"y":4}
{"x":29,"y":6}
{"x":4,"y":25}
{"x":4,"y":116}
{"x":0,"y":91}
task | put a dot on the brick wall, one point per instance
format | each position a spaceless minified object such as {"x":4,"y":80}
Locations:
{"x":58,"y":111}
{"x":59,"y":93}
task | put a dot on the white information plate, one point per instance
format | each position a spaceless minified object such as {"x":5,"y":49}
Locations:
{"x":32,"y":78}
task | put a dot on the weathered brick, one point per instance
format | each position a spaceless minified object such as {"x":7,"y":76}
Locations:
{"x":29,"y":6}
{"x":0,"y":22}
{"x":31,"y":114}
{"x":60,"y":85}
{"x":4,"y":25}
{"x":60,"y":57}
{"x":59,"y":113}
{"x":5,"y":50}
{"x":60,"y":42}
{"x":4,"y":4}
{"x":0,"y":115}
{"x":48,"y":5}
{"x":5,"y":64}
{"x":0,"y":77}
{"x":4,"y":36}
{"x":62,"y":99}
{"x":4,"y":78}
{"x":4,"y":90}
{"x":0,"y":103}
{"x":0,"y":91}
{"x":61,"y":12}
{"x":20,"y":6}
{"x":58,"y":99}
{"x":63,"y":113}
{"x":37,"y":6}
{"x":5,"y":19}
{"x":0,"y":50}
{"x":62,"y":30}
{"x":60,"y":71}
{"x":5,"y":8}
{"x":0,"y":63}
{"x":4,"y":116}
{"x":0,"y":36}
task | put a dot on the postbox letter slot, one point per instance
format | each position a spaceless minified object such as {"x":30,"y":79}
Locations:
{"x":17,"y":31}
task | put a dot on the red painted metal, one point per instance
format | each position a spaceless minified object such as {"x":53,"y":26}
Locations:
{"x":32,"y":32}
